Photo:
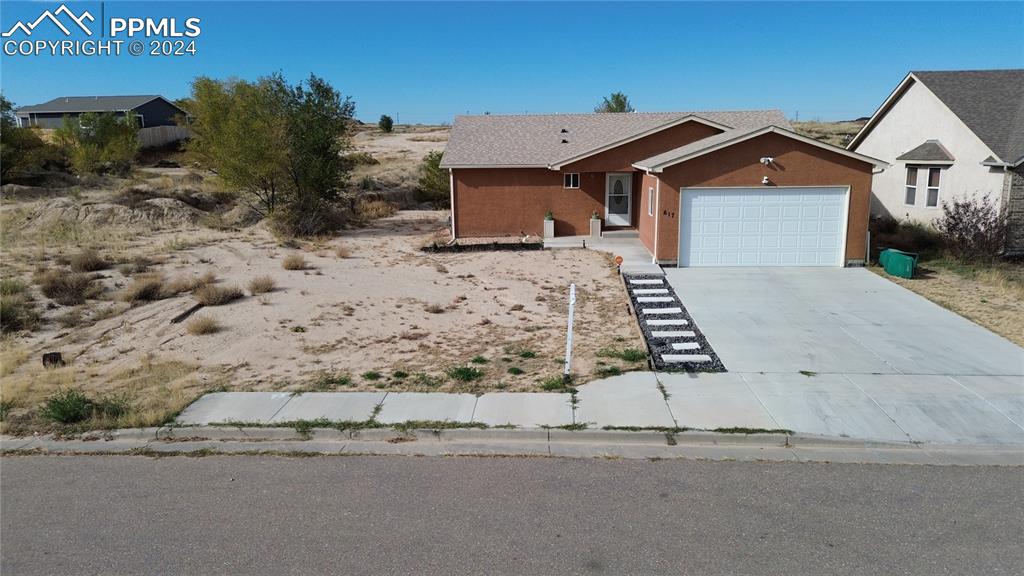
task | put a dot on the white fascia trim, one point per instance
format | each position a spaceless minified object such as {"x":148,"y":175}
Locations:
{"x":451,"y":191}
{"x":927,"y":162}
{"x":767,"y":129}
{"x":688,"y":118}
{"x":881,"y":111}
{"x":469,"y":166}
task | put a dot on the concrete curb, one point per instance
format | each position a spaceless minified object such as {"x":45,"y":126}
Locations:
{"x":645,"y":444}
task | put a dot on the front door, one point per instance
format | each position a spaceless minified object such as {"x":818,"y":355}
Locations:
{"x":618,"y":199}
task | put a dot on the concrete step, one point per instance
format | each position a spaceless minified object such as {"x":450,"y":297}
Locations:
{"x":640,"y":291}
{"x":678,"y":322}
{"x":645,"y":281}
{"x":680,"y":358}
{"x":662,"y":310}
{"x":620,"y":234}
{"x":655,"y":299}
{"x":674,"y":334}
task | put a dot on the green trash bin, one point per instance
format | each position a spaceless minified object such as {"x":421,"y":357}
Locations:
{"x":898,"y":263}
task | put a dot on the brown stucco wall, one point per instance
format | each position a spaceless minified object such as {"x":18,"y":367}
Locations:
{"x":796,"y":164}
{"x":513,"y":201}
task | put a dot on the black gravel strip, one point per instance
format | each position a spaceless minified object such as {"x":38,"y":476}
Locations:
{"x":659,"y":346}
{"x":486,"y":247}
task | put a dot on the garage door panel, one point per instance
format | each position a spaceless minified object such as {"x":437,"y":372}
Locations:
{"x":762,"y":227}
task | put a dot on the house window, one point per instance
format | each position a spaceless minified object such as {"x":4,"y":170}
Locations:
{"x":572,"y":180}
{"x":911,"y":197}
{"x":650,"y":201}
{"x":932,"y":200}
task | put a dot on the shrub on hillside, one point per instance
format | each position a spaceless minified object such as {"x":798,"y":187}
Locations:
{"x":973,"y":229}
{"x":433,"y":182}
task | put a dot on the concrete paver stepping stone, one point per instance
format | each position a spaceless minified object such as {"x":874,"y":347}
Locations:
{"x":675,"y":310}
{"x":631,"y":399}
{"x":640,"y":291}
{"x":679,"y":358}
{"x":407,"y":406}
{"x":673,"y":334}
{"x":685,"y":345}
{"x":333,"y":406}
{"x":644,"y":281}
{"x":655,"y":299}
{"x":657,"y":322}
{"x":524,"y":409}
{"x":248,"y":407}
{"x":712,"y":401}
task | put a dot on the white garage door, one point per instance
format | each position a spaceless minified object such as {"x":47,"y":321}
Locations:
{"x":767,"y":226}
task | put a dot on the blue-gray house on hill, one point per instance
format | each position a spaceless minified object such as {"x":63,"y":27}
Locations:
{"x":151,"y":110}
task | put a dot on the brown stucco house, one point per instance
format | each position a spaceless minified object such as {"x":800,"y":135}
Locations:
{"x":698,"y":188}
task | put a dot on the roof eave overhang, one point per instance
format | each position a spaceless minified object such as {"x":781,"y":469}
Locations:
{"x":605,"y":147}
{"x":926,"y":162}
{"x":655,"y":168}
{"x":467,"y":166}
{"x":881,"y":111}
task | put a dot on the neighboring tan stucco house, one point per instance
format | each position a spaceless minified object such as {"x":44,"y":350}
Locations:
{"x":698,"y":188}
{"x":949,"y":135}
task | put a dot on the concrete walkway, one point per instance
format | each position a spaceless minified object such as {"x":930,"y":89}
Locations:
{"x":635,"y":257}
{"x":873,"y":407}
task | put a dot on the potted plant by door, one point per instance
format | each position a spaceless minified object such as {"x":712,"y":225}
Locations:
{"x":549,"y":225}
{"x":595,"y":225}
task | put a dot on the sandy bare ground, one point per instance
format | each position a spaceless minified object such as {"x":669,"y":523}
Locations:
{"x":387,"y":308}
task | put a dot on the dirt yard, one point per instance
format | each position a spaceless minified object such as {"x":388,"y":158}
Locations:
{"x":993,"y":298}
{"x":368,"y":310}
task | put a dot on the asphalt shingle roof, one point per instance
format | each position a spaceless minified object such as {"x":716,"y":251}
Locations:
{"x":537,"y":140}
{"x":990,"y":102}
{"x":929,"y":151}
{"x":71,"y":104}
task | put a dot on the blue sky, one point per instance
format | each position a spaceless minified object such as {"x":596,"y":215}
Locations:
{"x":426,"y":62}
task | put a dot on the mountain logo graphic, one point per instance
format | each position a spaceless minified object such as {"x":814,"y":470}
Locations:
{"x":53,"y":17}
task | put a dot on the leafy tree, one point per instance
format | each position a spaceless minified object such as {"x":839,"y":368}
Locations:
{"x":433,"y":182}
{"x":100,"y":142}
{"x":386,"y":124}
{"x":279,"y":144}
{"x":21,"y":149}
{"x":617,"y":102}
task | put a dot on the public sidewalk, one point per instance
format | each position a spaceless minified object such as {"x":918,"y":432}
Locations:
{"x":877,"y":408}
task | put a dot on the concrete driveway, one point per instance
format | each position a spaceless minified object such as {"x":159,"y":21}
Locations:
{"x":844,"y":352}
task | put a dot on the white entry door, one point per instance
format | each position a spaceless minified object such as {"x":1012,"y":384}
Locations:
{"x":766,"y":226}
{"x":618,"y":200}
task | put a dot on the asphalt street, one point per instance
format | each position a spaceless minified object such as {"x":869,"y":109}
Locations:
{"x":355,"y":515}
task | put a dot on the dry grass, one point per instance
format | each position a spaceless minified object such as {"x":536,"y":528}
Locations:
{"x":342,"y":252}
{"x":211,"y":295}
{"x":151,"y":394}
{"x":261,"y":284}
{"x":202,"y":325}
{"x":88,"y":261}
{"x":835,"y":133}
{"x":294,"y":261}
{"x":152,"y":287}
{"x":374,"y":209}
{"x":68,"y":289}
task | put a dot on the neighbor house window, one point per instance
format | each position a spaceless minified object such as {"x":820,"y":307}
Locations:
{"x":572,"y":180}
{"x":932,"y":200}
{"x":911,"y":197}
{"x":650,"y":201}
